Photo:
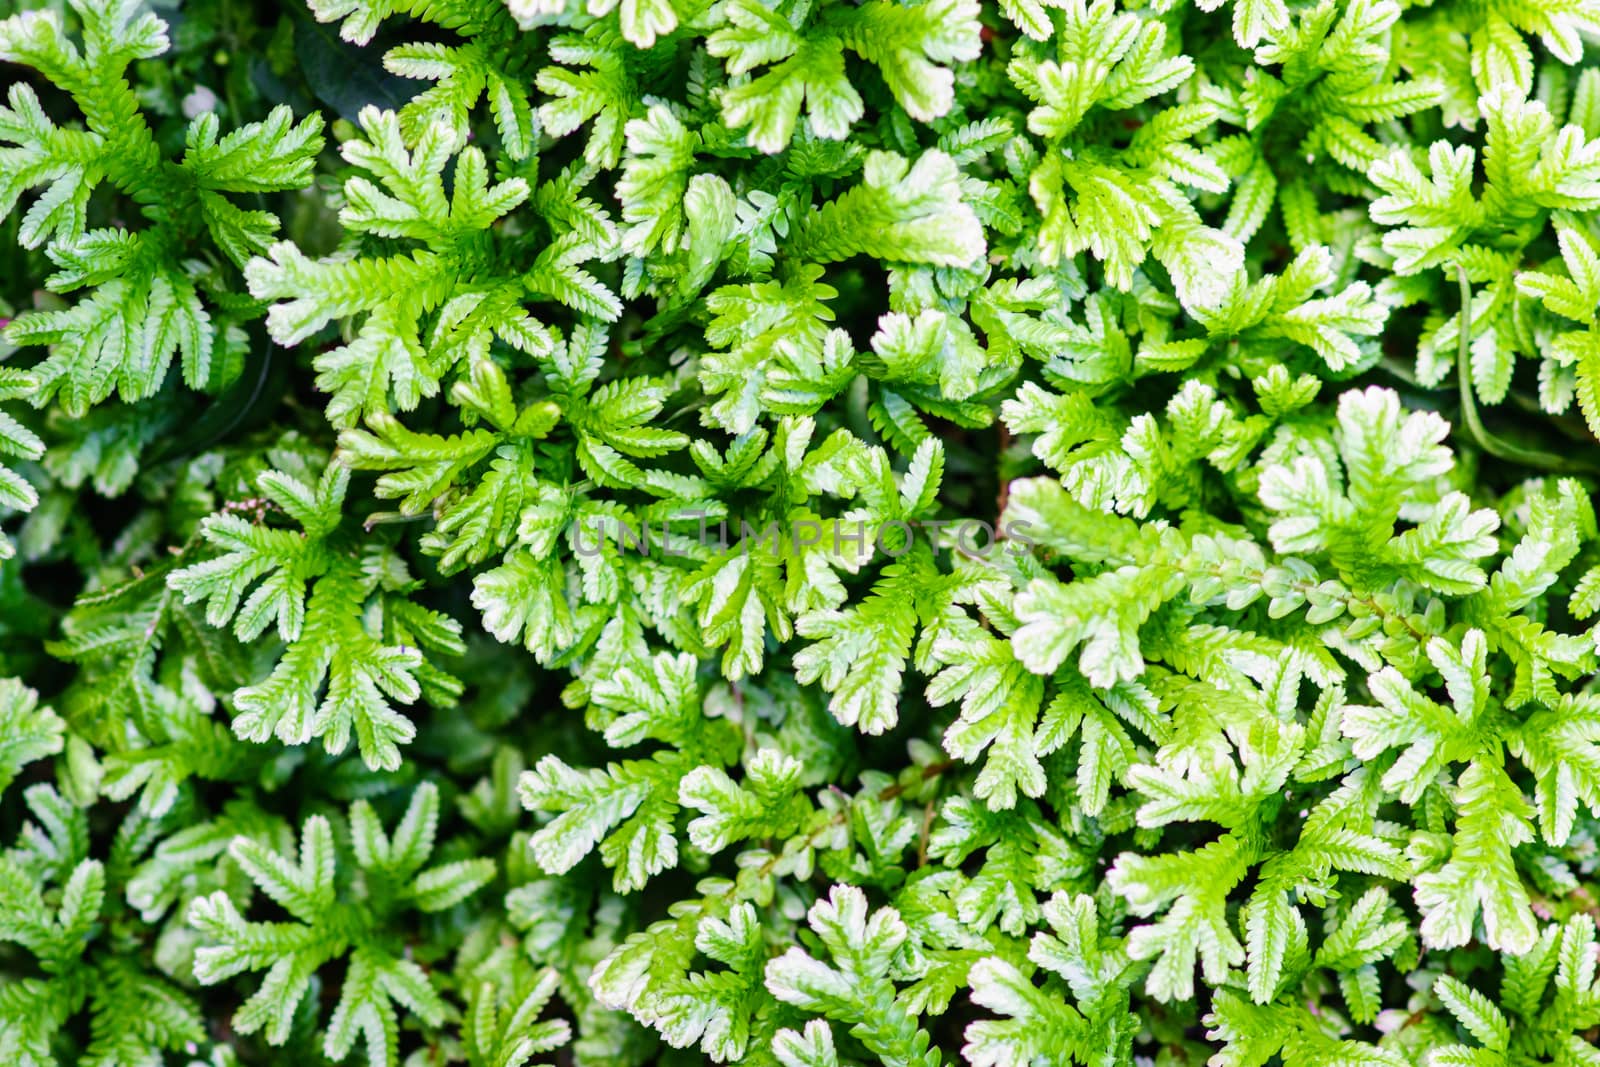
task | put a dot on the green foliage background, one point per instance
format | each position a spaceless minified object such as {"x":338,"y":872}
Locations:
{"x":333,"y":333}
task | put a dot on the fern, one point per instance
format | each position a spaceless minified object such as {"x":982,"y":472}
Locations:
{"x":343,"y":664}
{"x":799,"y":533}
{"x":144,"y":303}
{"x":377,"y":974}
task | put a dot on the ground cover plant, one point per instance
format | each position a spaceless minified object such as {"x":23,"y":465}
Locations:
{"x":801,"y":533}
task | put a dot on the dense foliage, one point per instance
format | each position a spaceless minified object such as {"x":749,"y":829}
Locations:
{"x":800,"y":532}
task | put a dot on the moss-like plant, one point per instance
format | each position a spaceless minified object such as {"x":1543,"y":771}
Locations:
{"x":800,"y":532}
